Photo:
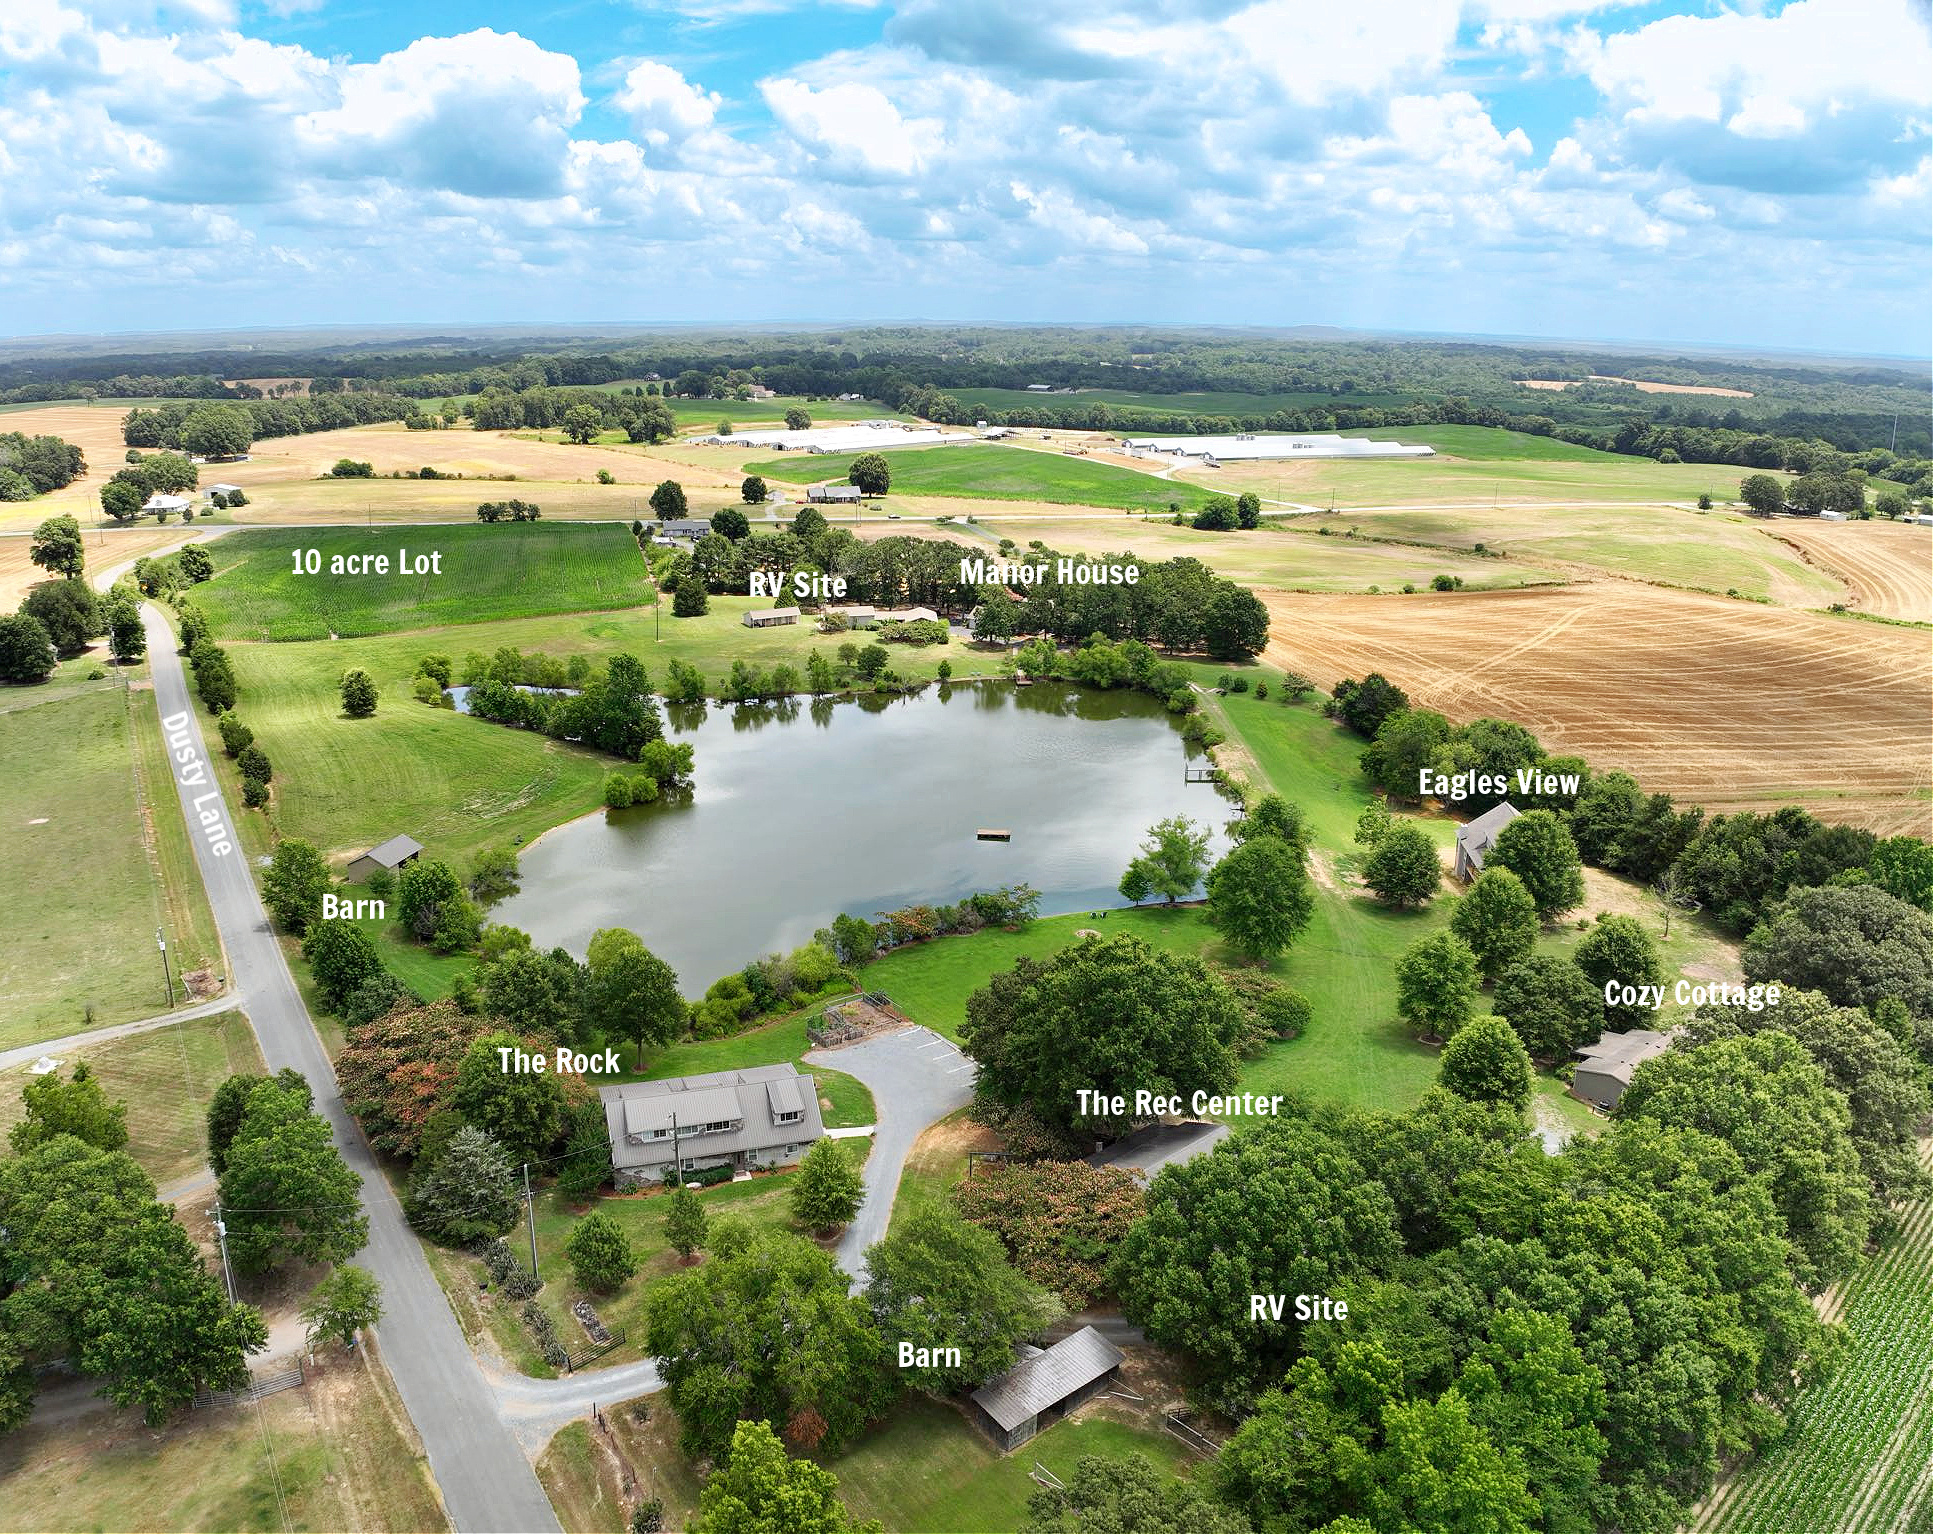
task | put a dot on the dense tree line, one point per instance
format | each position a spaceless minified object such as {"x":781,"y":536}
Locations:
{"x":162,"y":426}
{"x":31,"y":466}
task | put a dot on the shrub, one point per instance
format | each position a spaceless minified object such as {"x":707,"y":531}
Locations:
{"x":254,"y":793}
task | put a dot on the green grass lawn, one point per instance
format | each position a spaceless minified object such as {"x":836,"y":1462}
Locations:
{"x":1197,"y":402}
{"x":925,"y":1471}
{"x":765,"y":1201}
{"x":1491,"y":444}
{"x":166,"y":1078}
{"x":80,"y":949}
{"x":989,"y":472}
{"x":505,"y":570}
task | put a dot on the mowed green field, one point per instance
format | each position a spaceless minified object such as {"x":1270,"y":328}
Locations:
{"x":503,"y":570}
{"x":1200,"y":402}
{"x":1675,"y":545}
{"x":166,"y":1077}
{"x":80,"y":929}
{"x":990,"y":472}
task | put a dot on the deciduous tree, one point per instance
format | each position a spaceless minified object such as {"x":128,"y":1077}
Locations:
{"x":1487,"y":1063}
{"x":1617,"y":951}
{"x":1550,"y":1004}
{"x":871,"y":473}
{"x":1436,"y":984}
{"x":684,"y":1221}
{"x":57,"y":1105}
{"x":286,"y":1191}
{"x":523,"y":1111}
{"x":759,"y":1489}
{"x":358,"y":693}
{"x":1172,"y":859}
{"x":1498,"y":919}
{"x":630,"y":992}
{"x":1402,"y":866}
{"x":826,"y":1192}
{"x":57,"y":548}
{"x":348,"y":1301}
{"x":600,"y":1254}
{"x":1259,"y":897}
{"x":1538,"y":850}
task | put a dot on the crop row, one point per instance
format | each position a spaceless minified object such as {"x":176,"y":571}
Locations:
{"x":1858,"y":1445}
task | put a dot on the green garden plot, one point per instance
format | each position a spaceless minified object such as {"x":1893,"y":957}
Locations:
{"x":500,"y":570}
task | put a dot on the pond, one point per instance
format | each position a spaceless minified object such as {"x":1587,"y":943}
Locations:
{"x":810,"y":807}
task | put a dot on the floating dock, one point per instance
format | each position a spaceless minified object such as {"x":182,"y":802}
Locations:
{"x":986,"y":834}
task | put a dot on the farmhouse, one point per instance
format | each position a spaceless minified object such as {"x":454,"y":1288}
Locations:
{"x":765,"y":1116}
{"x":833,"y":494}
{"x":770,"y":617}
{"x":1245,"y":445}
{"x":1474,"y":839}
{"x":161,"y":505}
{"x":685,"y":527}
{"x":1045,"y":1386}
{"x":390,"y":856}
{"x":1604,"y":1068}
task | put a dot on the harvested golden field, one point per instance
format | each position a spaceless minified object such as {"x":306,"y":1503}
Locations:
{"x":106,"y":548}
{"x":1888,"y":566}
{"x":1728,"y":704}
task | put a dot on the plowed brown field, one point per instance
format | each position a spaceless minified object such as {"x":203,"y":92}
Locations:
{"x":1888,"y":565}
{"x":1732,"y":705}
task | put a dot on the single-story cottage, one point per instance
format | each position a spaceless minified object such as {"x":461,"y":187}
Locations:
{"x":1045,"y":1386}
{"x":390,"y":856}
{"x":1475,"y":838}
{"x":833,"y":494}
{"x":770,"y":617}
{"x":165,"y":505}
{"x":765,"y":1116}
{"x":858,"y":615}
{"x":1604,"y":1069}
{"x":686,"y":527}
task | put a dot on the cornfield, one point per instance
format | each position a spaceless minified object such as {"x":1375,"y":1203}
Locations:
{"x":1859,"y":1456}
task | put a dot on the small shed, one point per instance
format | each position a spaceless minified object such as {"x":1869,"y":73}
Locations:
{"x":770,"y":617}
{"x":209,"y":492}
{"x":393,"y":854}
{"x":1832,"y":516}
{"x":1475,"y":838}
{"x":1045,"y":1386}
{"x":1604,"y":1069}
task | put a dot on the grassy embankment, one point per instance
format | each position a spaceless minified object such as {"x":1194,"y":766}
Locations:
{"x":337,"y":1454}
{"x":987,"y":471}
{"x":166,"y":1078}
{"x":99,"y":852}
{"x":923,"y":1470}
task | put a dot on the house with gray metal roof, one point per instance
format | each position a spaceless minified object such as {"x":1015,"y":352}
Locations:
{"x":1148,"y":1149}
{"x":1475,"y":838}
{"x":764,"y":1116}
{"x":1604,"y":1069}
{"x":1045,"y":1386}
{"x":390,"y":855}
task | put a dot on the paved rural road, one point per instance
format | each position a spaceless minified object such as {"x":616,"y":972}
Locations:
{"x":12,"y":1057}
{"x":916,"y":1076}
{"x":486,"y":1481}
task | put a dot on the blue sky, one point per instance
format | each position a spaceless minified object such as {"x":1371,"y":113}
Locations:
{"x":1739,"y":171}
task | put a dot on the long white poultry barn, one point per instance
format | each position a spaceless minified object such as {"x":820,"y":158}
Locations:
{"x":1307,"y":444}
{"x":864,"y":437}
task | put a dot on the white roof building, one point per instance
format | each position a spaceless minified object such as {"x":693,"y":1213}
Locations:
{"x":165,"y":503}
{"x":864,"y":436}
{"x":1243,"y":445}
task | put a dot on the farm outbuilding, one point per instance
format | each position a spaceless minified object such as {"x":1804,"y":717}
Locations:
{"x":1474,"y":839}
{"x":1604,"y":1069}
{"x":393,"y":854}
{"x":859,"y":437}
{"x":1045,"y":1386}
{"x":770,"y":617}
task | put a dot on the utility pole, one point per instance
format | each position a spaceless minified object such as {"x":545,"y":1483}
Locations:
{"x":167,"y":975}
{"x":221,"y":1235}
{"x":530,"y":1209}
